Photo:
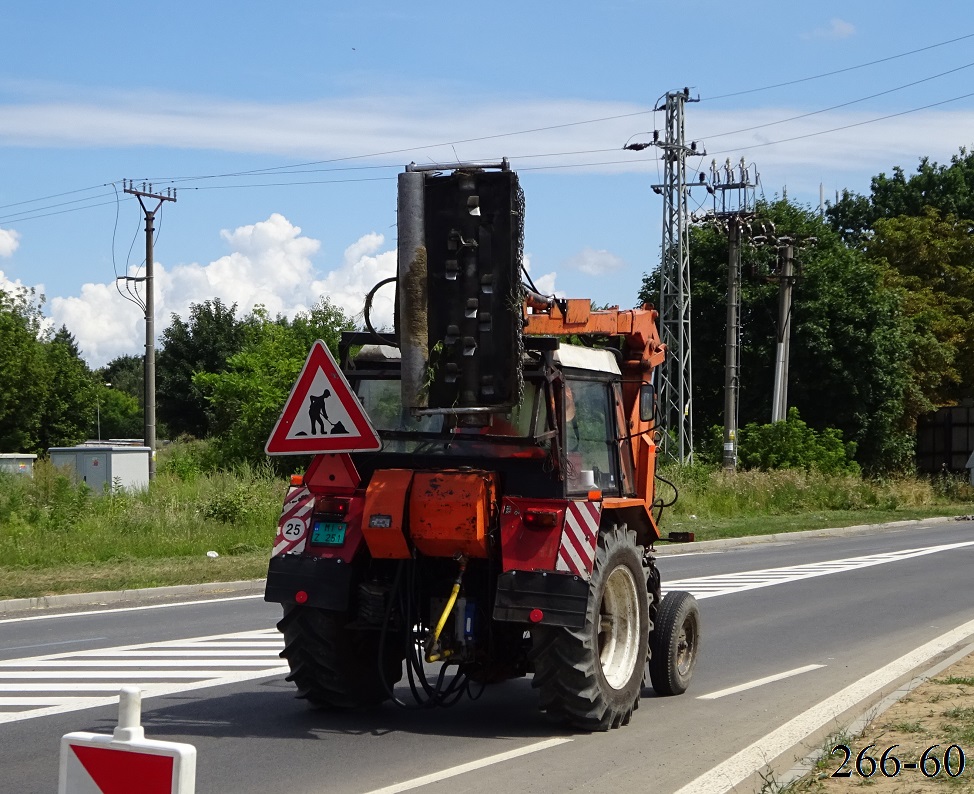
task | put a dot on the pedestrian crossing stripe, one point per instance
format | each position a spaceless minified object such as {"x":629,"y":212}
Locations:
{"x":40,"y":686}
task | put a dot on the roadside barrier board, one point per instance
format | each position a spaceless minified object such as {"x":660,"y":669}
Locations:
{"x":125,"y":762}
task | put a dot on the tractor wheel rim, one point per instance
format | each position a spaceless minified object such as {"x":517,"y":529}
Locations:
{"x":686,"y":645}
{"x":618,"y":637}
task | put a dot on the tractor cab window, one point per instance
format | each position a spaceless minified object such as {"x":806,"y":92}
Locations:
{"x":589,"y":437}
{"x":514,"y":434}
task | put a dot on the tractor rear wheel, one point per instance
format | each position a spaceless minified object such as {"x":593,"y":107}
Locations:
{"x":591,"y":677}
{"x":675,"y":643}
{"x":334,"y":665}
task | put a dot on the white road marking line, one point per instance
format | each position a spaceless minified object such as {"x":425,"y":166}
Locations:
{"x":161,"y":653}
{"x":59,"y":687}
{"x":726,"y":775}
{"x":155,"y":691}
{"x":52,"y":644}
{"x":59,"y":682}
{"x":113,"y":611}
{"x":453,"y":771}
{"x":46,"y":701}
{"x":727,"y":584}
{"x":759,"y":682}
{"x":101,"y":675}
{"x":268,"y":642}
{"x":201,"y":664}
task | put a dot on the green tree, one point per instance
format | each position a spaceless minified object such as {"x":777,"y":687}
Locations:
{"x":247,"y":398}
{"x":930,"y":258}
{"x":68,"y":408}
{"x":850,"y":345}
{"x":121,"y":414}
{"x":204,"y":343}
{"x":127,"y":375}
{"x":22,"y":370}
{"x":948,"y":188}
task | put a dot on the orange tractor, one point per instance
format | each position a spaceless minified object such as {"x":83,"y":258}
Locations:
{"x":504,"y":519}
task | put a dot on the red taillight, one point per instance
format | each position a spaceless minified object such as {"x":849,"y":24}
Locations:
{"x":297,"y":480}
{"x":332,"y":505}
{"x":301,"y":597}
{"x":536,"y":518}
{"x":536,"y":616}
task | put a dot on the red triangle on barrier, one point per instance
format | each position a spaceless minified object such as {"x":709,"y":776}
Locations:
{"x":125,"y":772}
{"x":322,"y":414}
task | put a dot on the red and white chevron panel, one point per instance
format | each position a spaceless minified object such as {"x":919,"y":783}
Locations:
{"x":293,"y":528}
{"x":579,"y":536}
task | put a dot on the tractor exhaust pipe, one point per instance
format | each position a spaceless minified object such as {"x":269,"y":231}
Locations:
{"x":412,"y":330}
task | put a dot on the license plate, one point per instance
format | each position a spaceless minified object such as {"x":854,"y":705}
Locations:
{"x":328,"y":533}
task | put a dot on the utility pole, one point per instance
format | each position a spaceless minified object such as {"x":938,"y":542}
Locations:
{"x":675,"y":385}
{"x":734,"y":203}
{"x":150,"y":343}
{"x":733,"y":342}
{"x":786,"y":281}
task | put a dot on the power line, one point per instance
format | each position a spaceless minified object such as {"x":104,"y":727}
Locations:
{"x":840,"y":71}
{"x":14,"y":219}
{"x":841,"y":105}
{"x":55,"y":195}
{"x":846,"y":126}
{"x":54,"y":206}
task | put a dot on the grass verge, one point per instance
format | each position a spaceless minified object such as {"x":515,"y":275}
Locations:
{"x":57,"y":537}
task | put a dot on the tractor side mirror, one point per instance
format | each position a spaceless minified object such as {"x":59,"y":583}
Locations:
{"x":647,"y":402}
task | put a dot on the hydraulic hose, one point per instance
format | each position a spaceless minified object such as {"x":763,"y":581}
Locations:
{"x":433,"y":653}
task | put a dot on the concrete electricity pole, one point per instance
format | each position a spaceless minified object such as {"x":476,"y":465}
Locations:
{"x":734,"y":204}
{"x":786,"y":282}
{"x":150,"y":344}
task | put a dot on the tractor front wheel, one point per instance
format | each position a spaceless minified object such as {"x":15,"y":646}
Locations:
{"x":591,"y":677}
{"x":675,"y":643}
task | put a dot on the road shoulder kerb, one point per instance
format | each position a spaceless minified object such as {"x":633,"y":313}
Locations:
{"x":789,"y":537}
{"x":140,"y":596}
{"x":151,"y":594}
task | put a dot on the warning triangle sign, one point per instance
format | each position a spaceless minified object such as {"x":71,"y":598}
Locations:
{"x":322,"y":414}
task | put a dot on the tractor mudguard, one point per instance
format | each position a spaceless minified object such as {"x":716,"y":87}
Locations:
{"x":541,"y":598}
{"x":324,"y":583}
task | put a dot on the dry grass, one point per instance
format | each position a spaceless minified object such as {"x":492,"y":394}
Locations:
{"x":938,"y":712}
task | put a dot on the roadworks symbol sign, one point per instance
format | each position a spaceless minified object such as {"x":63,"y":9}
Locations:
{"x":322,"y":414}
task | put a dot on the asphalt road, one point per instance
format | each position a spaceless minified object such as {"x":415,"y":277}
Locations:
{"x":838,"y":606}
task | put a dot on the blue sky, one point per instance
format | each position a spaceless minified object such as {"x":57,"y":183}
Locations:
{"x":91,"y":93}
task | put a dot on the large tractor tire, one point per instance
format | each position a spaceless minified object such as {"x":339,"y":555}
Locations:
{"x":591,"y":678}
{"x":334,"y":666}
{"x":674,"y":643}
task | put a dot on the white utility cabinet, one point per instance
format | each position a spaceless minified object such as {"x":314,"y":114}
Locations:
{"x":109,"y":465}
{"x":17,"y":463}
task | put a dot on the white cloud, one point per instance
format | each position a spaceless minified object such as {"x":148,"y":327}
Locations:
{"x":9,"y":241}
{"x":11,"y":286}
{"x":837,"y":29}
{"x":364,"y":266}
{"x":413,"y":127}
{"x":545,"y":282}
{"x":270,"y":263}
{"x":593,"y":262}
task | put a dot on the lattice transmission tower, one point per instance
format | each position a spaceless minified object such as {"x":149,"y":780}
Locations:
{"x":676,"y":382}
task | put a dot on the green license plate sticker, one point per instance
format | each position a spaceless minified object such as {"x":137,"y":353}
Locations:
{"x":328,"y":533}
